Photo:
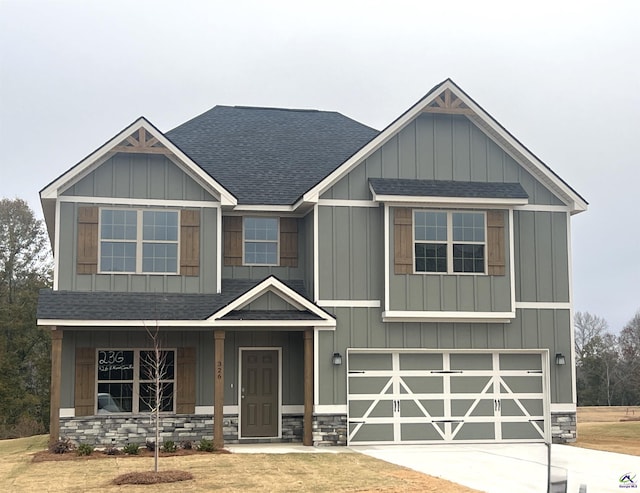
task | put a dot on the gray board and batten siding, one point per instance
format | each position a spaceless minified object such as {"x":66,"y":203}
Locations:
{"x":142,"y":177}
{"x":69,"y":278}
{"x":440,"y":147}
{"x":363,"y":328}
{"x":291,"y":343}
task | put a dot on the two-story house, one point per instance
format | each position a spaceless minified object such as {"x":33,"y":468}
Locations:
{"x":314,"y":280}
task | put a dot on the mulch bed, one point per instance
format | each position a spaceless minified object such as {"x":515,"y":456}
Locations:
{"x":151,"y":477}
{"x":45,"y":455}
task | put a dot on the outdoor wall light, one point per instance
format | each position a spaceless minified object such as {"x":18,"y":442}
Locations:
{"x":560,"y":360}
{"x":336,"y":359}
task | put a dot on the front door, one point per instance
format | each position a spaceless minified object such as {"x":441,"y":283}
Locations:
{"x":259,"y":393}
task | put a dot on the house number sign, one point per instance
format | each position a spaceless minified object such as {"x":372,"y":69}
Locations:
{"x":112,"y":360}
{"x":219,"y":370}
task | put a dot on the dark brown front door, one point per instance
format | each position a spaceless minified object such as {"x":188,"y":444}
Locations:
{"x":259,"y":394}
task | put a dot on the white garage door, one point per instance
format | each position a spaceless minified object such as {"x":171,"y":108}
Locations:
{"x":455,"y":396}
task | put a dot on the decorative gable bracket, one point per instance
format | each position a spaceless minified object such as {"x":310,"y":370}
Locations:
{"x":448,"y":103}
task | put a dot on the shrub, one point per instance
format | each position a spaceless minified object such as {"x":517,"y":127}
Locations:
{"x":151,"y":445}
{"x":61,"y":446}
{"x":206,"y":445}
{"x":186,"y":444}
{"x":84,"y":449}
{"x":169,"y":446}
{"x":131,"y":449}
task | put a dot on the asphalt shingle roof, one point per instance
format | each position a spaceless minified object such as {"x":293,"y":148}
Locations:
{"x":102,"y":305}
{"x":269,"y":156}
{"x":447,"y":188}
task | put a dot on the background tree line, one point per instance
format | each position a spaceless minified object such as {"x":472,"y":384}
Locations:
{"x":607,"y":365}
{"x":25,"y":268}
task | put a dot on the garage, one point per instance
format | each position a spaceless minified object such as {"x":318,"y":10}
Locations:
{"x":457,"y":396}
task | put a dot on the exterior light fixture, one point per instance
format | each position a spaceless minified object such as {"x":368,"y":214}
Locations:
{"x":560,"y":359}
{"x":336,"y":359}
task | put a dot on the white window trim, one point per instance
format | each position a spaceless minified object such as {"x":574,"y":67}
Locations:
{"x":449,"y":242}
{"x":135,"y":404}
{"x":139,"y":241}
{"x":276,"y":241}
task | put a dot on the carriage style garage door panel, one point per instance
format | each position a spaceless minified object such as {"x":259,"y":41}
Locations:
{"x":428,"y":396}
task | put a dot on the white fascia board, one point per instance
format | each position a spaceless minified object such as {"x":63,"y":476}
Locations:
{"x":441,"y":316}
{"x":85,"y":166}
{"x":535,"y":165}
{"x":269,"y":209}
{"x":449,"y":201}
{"x":274,"y":285}
{"x":326,"y":324}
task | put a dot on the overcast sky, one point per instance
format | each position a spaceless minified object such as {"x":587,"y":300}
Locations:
{"x":562,"y":76}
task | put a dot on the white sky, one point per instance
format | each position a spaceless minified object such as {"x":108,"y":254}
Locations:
{"x":562,"y":76}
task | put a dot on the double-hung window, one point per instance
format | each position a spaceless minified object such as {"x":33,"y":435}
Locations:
{"x":260,"y":240}
{"x":138,"y":241}
{"x":126,"y":380}
{"x":449,"y":242}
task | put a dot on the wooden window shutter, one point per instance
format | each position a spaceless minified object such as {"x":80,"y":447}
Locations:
{"x":232,"y":230}
{"x":189,"y":242}
{"x":87,"y":254}
{"x":403,"y":240}
{"x":85,"y":400}
{"x":186,"y":381}
{"x":288,"y":242}
{"x":495,"y":243}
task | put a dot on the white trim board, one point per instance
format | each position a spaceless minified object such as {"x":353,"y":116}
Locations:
{"x":131,"y":202}
{"x":257,"y":324}
{"x":330,"y":409}
{"x":442,"y":316}
{"x":348,"y":203}
{"x":349,"y":303}
{"x":543,"y":305}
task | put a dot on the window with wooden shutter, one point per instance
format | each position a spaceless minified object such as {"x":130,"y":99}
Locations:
{"x":87,"y":253}
{"x":84,"y":396}
{"x":403,"y":241}
{"x":288,"y":242}
{"x":186,"y":381}
{"x":189,"y":242}
{"x":495,"y":243}
{"x":232,"y":230}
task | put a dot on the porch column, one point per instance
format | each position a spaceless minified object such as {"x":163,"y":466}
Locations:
{"x":56,"y":375}
{"x":307,"y":437}
{"x":218,"y":391}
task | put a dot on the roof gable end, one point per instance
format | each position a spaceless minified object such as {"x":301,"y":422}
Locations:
{"x":448,"y":98}
{"x":141,"y":137}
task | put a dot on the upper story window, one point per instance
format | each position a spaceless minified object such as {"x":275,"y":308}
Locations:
{"x":125,"y":380}
{"x":449,"y":242}
{"x":260,"y":241}
{"x":138,"y":241}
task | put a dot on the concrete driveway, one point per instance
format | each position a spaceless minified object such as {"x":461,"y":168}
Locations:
{"x":510,"y":468}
